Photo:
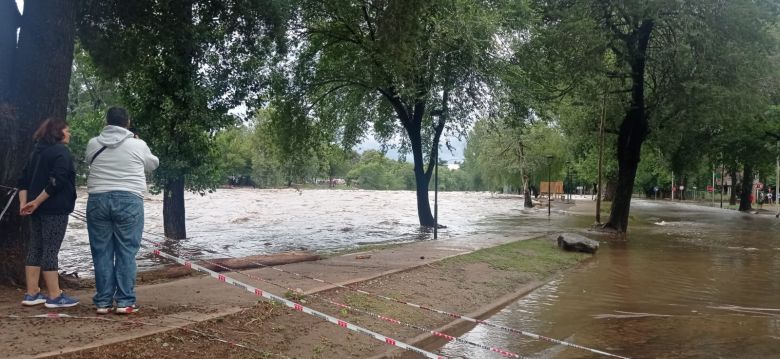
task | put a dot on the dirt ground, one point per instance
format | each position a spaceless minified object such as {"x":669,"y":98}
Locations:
{"x":471,"y":284}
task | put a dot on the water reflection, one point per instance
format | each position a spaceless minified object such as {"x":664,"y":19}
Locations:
{"x":690,"y":282}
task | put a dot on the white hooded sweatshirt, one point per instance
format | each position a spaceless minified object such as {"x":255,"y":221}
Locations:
{"x":122,"y":165}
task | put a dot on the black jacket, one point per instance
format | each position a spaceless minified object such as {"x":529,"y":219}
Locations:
{"x":55,"y":174}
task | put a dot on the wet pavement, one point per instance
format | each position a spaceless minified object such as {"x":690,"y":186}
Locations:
{"x":690,"y":282}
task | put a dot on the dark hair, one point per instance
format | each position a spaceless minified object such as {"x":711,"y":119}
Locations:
{"x":50,"y":130}
{"x":118,"y":116}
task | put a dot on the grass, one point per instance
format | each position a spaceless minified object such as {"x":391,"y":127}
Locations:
{"x":539,"y":257}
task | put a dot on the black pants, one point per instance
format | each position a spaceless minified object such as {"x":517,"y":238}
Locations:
{"x":46,"y":238}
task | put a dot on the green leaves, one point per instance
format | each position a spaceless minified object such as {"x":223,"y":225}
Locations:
{"x":181,"y":65}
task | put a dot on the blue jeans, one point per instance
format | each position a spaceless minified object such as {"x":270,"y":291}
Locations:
{"x":115,"y":222}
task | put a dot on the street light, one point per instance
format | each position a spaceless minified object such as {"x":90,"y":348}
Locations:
{"x":436,"y":198}
{"x":441,"y":114}
{"x":549,"y":189}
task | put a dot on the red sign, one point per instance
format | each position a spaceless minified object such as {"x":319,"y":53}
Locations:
{"x":759,"y":185}
{"x":710,"y":189}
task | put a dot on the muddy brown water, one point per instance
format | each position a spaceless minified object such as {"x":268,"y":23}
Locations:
{"x":239,"y":222}
{"x":690,"y":282}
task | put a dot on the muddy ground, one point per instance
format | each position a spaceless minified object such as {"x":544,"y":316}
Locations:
{"x":471,"y":284}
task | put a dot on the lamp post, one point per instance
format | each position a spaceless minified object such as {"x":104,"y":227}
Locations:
{"x":549,"y":187}
{"x":436,"y":198}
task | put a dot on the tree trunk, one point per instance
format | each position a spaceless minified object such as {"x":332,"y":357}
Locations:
{"x":182,"y":64}
{"x":733,"y":196}
{"x":527,"y":203}
{"x":422,"y":181}
{"x":747,"y":189}
{"x":609,"y":190}
{"x":173,"y":210}
{"x":411,"y":120}
{"x":633,"y":130}
{"x":34,"y":79}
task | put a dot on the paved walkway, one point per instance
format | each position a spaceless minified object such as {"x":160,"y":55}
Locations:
{"x":180,"y":302}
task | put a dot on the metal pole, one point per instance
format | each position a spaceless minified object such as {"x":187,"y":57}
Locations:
{"x":777,"y":181}
{"x":436,"y":198}
{"x":713,"y":185}
{"x":722,"y":183}
{"x":673,"y":189}
{"x":566,"y":184}
{"x":549,"y":188}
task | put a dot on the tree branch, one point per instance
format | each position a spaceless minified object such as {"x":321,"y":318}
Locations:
{"x":395,"y":101}
{"x":371,"y":32}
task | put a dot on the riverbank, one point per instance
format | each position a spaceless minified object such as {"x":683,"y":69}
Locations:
{"x":452,"y":275}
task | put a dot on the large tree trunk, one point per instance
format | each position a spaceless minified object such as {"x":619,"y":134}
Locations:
{"x":34,"y":79}
{"x":174,"y":220}
{"x":411,"y":119}
{"x":527,"y":202}
{"x":747,"y":189}
{"x":173,"y":210}
{"x":610,"y":189}
{"x":633,"y":130}
{"x":422,"y":180}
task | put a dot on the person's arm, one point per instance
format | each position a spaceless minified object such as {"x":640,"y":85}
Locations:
{"x":23,"y":184}
{"x":31,"y":206}
{"x":22,"y":200}
{"x":150,"y":161}
{"x":58,"y":179}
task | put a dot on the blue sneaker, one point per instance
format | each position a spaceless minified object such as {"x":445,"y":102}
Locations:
{"x":30,"y":300}
{"x":63,"y":301}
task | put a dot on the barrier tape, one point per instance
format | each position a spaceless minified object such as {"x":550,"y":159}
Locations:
{"x":11,"y":195}
{"x":298,"y":307}
{"x":210,"y":336}
{"x":503,"y":352}
{"x":438,"y":311}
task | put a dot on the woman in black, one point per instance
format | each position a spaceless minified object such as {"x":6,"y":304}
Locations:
{"x":49,"y":180}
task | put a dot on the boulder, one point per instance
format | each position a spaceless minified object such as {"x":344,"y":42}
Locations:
{"x":577,"y":243}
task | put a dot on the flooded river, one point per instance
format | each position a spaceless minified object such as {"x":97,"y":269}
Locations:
{"x":239,"y":222}
{"x":691,"y":282}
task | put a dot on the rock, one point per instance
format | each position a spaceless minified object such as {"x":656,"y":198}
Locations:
{"x":577,"y":243}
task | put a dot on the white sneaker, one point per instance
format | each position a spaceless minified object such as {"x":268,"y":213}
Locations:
{"x":127,"y":310}
{"x":105,"y":310}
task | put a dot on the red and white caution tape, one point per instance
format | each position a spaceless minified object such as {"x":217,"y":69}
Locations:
{"x":503,"y":352}
{"x":210,"y":336}
{"x":261,"y":293}
{"x":453,"y":315}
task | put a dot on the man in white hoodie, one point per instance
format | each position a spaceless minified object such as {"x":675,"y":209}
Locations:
{"x":115,"y":209}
